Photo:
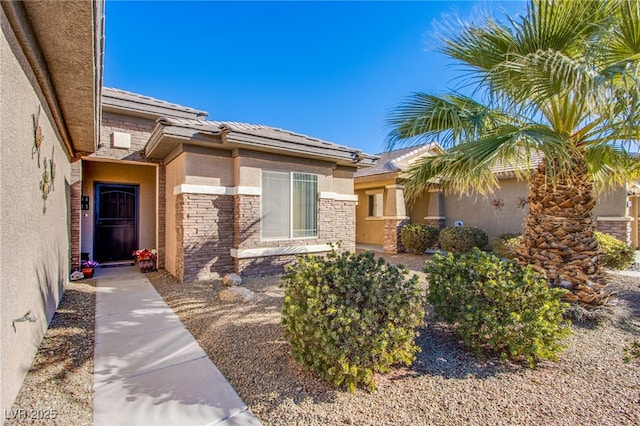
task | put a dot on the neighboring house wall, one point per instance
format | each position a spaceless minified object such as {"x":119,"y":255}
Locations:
{"x":34,"y":244}
{"x":478,"y":210}
{"x":34,"y":231}
{"x":612,"y":214}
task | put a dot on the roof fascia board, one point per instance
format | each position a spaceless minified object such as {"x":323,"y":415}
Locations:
{"x":336,"y":153}
{"x":145,"y":110}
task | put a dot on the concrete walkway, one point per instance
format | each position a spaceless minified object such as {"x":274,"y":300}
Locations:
{"x":149,"y":370}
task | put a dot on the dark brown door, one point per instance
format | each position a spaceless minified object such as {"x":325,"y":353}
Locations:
{"x":116,"y":225}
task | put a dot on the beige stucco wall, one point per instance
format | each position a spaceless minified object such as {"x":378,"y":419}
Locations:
{"x":34,"y":266}
{"x":370,"y":230}
{"x":175,"y":176}
{"x":248,"y":170}
{"x":612,"y":203}
{"x":419,"y":209}
{"x":477,"y":210}
{"x":110,"y":172}
{"x":473,"y":209}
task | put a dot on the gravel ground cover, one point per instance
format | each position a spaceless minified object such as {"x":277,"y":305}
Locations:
{"x":58,"y":388}
{"x":590,"y":385}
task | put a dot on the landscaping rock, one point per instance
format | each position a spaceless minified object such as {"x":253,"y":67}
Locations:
{"x":232,"y":280}
{"x":236,"y":294}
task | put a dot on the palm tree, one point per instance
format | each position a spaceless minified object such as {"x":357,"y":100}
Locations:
{"x":559,"y":95}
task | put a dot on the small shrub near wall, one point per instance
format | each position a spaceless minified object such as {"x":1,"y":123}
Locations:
{"x":418,"y":237}
{"x":461,"y":239}
{"x":615,"y":253}
{"x":497,"y":306}
{"x":349,"y":316}
{"x":505,"y":245}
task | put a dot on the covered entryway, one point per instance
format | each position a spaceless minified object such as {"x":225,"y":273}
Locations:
{"x":116,"y":221}
{"x":119,"y":211}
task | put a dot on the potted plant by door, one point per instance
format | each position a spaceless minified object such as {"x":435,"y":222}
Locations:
{"x":87,"y":267}
{"x":146,"y":260}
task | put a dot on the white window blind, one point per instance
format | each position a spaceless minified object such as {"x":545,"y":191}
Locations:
{"x":289,"y":205}
{"x":276,"y":198}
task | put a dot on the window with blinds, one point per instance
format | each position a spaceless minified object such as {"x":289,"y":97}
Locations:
{"x":289,"y":205}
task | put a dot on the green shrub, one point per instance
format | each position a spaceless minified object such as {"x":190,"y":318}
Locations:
{"x":505,"y":245}
{"x":461,"y":239}
{"x":615,"y":253}
{"x":418,"y":237}
{"x":496,"y":305}
{"x":348,"y":316}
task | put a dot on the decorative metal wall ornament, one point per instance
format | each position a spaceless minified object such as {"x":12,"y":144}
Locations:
{"x":47,"y":182}
{"x":522,"y":202}
{"x":37,"y":136}
{"x":45,"y":186}
{"x":52,"y":168}
{"x":497,"y":203}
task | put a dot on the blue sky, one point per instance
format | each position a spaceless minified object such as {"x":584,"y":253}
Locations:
{"x":331,"y":70}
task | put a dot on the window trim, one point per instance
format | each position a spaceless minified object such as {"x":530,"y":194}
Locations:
{"x":371,"y":207}
{"x":290,"y":236}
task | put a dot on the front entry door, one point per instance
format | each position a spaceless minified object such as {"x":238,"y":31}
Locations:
{"x":116,"y":221}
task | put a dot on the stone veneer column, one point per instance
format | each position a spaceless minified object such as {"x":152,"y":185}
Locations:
{"x":438,"y":221}
{"x":337,"y":221}
{"x":204,"y":225}
{"x":161,"y":215}
{"x":75,"y":212}
{"x":395,"y":217}
{"x":392,"y":227}
{"x":619,"y":227}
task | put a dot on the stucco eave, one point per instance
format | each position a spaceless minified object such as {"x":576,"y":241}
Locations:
{"x":378,"y":178}
{"x":63,"y":42}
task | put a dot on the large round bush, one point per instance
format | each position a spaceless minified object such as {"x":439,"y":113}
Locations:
{"x":461,"y":239}
{"x":505,"y":245}
{"x":496,"y":305}
{"x":349,"y":316}
{"x":418,"y":237}
{"x":615,"y":253}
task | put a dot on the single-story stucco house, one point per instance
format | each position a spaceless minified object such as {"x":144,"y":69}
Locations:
{"x":97,"y":173}
{"x":212,"y":197}
{"x":382,"y":209}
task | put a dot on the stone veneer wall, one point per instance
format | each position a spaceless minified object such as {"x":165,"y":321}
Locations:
{"x":392,"y":242}
{"x":247,"y":233}
{"x":205,"y":234}
{"x":75,"y":213}
{"x":246,"y":222}
{"x":337,"y":222}
{"x":438,"y":223}
{"x":621,"y":229}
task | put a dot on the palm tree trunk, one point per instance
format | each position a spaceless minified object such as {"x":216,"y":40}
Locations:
{"x":558,"y":233}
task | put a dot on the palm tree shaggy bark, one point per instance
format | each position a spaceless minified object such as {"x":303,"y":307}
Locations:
{"x":558,"y":233}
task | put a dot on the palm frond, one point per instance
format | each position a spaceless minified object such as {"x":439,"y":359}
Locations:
{"x":449,"y":119}
{"x":623,"y":42}
{"x":609,"y":166}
